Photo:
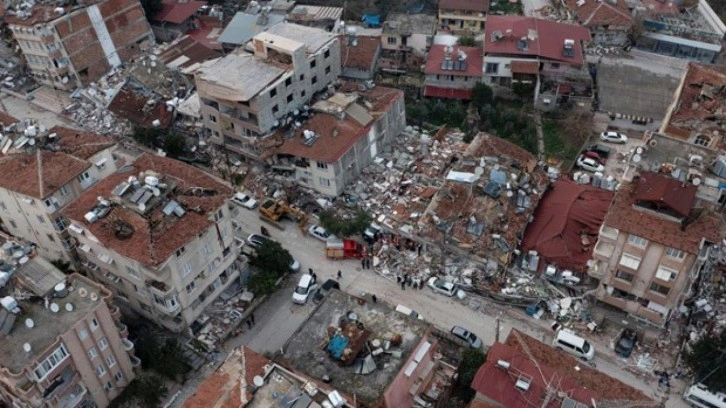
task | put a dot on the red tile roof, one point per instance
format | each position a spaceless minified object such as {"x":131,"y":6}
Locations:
{"x":188,"y":47}
{"x":585,"y":381}
{"x":567,"y":214}
{"x":448,"y":93}
{"x":549,"y":38}
{"x":24,"y":171}
{"x":131,"y":105}
{"x":334,"y":136}
{"x":79,"y":143}
{"x":663,"y":190}
{"x":473,"y":61}
{"x":7,"y":120}
{"x":468,"y":5}
{"x":177,"y":12}
{"x":593,"y":13}
{"x":498,"y":384}
{"x":525,"y":67}
{"x":156,"y":237}
{"x":361,"y":56}
{"x":626,"y":217}
{"x":691,"y":103}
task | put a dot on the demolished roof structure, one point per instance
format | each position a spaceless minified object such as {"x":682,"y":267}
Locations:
{"x":141,"y":105}
{"x":177,"y":12}
{"x":698,"y":111}
{"x":566,"y":224}
{"x":185,"y":52}
{"x":591,"y":13}
{"x":244,"y":26}
{"x":162,"y":203}
{"x":524,"y":372}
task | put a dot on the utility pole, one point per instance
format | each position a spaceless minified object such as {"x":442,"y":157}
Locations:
{"x":496,"y":333}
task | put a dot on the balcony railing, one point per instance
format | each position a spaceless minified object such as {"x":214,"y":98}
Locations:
{"x":160,"y":288}
{"x":74,"y":397}
{"x":135,"y":362}
{"x":115,"y":311}
{"x":123,"y":331}
{"x":128,"y":345}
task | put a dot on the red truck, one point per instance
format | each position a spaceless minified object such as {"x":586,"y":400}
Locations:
{"x":344,"y":249}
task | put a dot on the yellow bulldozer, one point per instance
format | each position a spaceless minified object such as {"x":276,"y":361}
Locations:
{"x":272,"y":211}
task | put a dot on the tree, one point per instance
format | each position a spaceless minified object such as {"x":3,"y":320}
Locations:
{"x":345,"y":227}
{"x":482,"y":95}
{"x":173,"y":144}
{"x":471,"y":360}
{"x":146,"y":136}
{"x":417,"y":112}
{"x":707,"y":359}
{"x":146,"y":390}
{"x":272,"y":262}
{"x":466,"y":41}
{"x":62,"y":266}
{"x":166,"y":359}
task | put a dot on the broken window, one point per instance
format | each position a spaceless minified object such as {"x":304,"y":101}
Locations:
{"x":628,"y":277}
{"x":702,"y":140}
{"x":663,"y":290}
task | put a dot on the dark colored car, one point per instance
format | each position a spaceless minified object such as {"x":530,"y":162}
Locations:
{"x":626,"y":343}
{"x":601,"y":150}
{"x":329,"y":285}
{"x":594,"y":155}
{"x":256,"y":241}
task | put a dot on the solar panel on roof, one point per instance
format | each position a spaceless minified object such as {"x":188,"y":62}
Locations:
{"x":170,"y":207}
{"x":146,"y":197}
{"x":137,"y":194}
{"x":121,"y":189}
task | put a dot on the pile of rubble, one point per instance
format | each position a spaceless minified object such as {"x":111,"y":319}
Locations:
{"x":224,"y":318}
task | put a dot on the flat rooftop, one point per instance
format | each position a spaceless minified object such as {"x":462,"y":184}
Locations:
{"x":48,"y":325}
{"x":237,"y":76}
{"x":307,"y":350}
{"x":313,"y":38}
{"x":408,"y":24}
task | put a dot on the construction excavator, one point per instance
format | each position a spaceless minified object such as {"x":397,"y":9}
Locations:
{"x":272,"y":211}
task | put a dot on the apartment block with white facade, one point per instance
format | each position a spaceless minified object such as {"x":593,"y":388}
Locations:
{"x":158,"y":233}
{"x":244,"y":95}
{"x":41,"y":180}
{"x":64,"y":347}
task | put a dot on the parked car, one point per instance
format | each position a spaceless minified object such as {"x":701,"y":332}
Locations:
{"x":593,"y":155}
{"x":323,"y":291}
{"x":294,"y":265}
{"x":369,"y":235}
{"x":316,"y":231}
{"x":469,"y":337}
{"x":626,"y":343}
{"x":601,"y":150}
{"x":439,"y":285}
{"x":408,"y":312}
{"x":613,"y":137}
{"x":570,"y":342}
{"x":245,"y":201}
{"x":589,"y":164}
{"x":256,"y":240}
{"x":303,"y":289}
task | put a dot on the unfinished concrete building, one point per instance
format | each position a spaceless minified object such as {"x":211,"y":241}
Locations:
{"x":245,"y":96}
{"x":159,"y":235}
{"x":71,"y":44}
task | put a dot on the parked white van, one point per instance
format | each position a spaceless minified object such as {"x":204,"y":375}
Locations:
{"x":408,"y":312}
{"x":303,"y":290}
{"x":570,"y":342}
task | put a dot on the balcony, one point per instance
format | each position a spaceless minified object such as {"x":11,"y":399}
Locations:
{"x":604,"y":250}
{"x":170,"y":305}
{"x":115,"y":311}
{"x":135,"y":362}
{"x":128,"y":345}
{"x":159,"y":288}
{"x":74,"y":397}
{"x":123,"y":331}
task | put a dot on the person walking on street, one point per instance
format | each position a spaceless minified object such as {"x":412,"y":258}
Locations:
{"x":403,"y":285}
{"x":374,"y":298}
{"x":310,"y":271}
{"x":252,"y":318}
{"x":315,"y":277}
{"x":362,"y":263}
{"x":249,"y":323}
{"x":340,"y":274}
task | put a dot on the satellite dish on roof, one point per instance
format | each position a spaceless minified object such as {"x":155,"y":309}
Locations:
{"x":258,"y":381}
{"x":156,"y":192}
{"x":94,"y":297}
{"x":27,"y":347}
{"x":29,"y":323}
{"x":639,"y":150}
{"x":142,"y":207}
{"x":637,"y":158}
{"x":54,"y":307}
{"x":696,"y":181}
{"x":69,"y":307}
{"x":83,"y":292}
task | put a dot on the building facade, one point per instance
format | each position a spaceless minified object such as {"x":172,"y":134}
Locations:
{"x":463,"y":17}
{"x":44,"y":182}
{"x":452,"y":71}
{"x":73,"y":352}
{"x":160,"y":237}
{"x":245,"y":96}
{"x":609,"y":22}
{"x":405,"y":39}
{"x":71,"y":46}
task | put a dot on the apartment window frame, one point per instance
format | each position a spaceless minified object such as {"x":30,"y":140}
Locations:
{"x":659,"y":289}
{"x":186,"y":268}
{"x":324,"y":182}
{"x":50,"y":363}
{"x":84,"y":176}
{"x":218,"y":215}
{"x":103,"y":343}
{"x":118,"y":376}
{"x":491,"y":68}
{"x":275,"y":109}
{"x":133,"y":272}
{"x":94,"y":324}
{"x":313,"y":63}
{"x":181,"y":251}
{"x":100,"y":370}
{"x":110,"y":360}
{"x":624,"y":276}
{"x":637,"y":241}
{"x":327,"y":70}
{"x":675,"y":253}
{"x":191,"y":287}
{"x":273,"y":92}
{"x":666,"y":274}
{"x":322,"y":166}
{"x":392,"y":40}
{"x":326,"y":54}
{"x":289,"y":98}
{"x":288,"y":81}
{"x":92,"y":353}
{"x":630,"y":261}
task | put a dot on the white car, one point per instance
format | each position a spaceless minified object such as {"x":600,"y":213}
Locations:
{"x":303,"y":289}
{"x":613,"y":137}
{"x":245,"y":201}
{"x":439,"y":285}
{"x":589,"y":164}
{"x":320,"y":233}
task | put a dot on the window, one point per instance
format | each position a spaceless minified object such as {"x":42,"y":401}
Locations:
{"x":630,"y":261}
{"x":218,"y":215}
{"x":392,"y":40}
{"x":326,"y":54}
{"x":314,"y":80}
{"x":136,"y":288}
{"x":624,"y":276}
{"x":92,"y":353}
{"x":492,"y":68}
{"x":302,"y":77}
{"x":212,"y":118}
{"x":186,"y":268}
{"x":327,"y":69}
{"x":637,"y":241}
{"x":118,"y":377}
{"x":702,"y":140}
{"x":313,"y":63}
{"x":83,"y":334}
{"x":666,"y":274}
{"x":289,"y":98}
{"x":51,"y":238}
{"x":108,"y":387}
{"x":302,"y":94}
{"x":275,"y":109}
{"x":133,"y":272}
{"x":675,"y":253}
{"x":94,"y":324}
{"x":322,"y":166}
{"x":13,"y":223}
{"x":111,"y":361}
{"x":663,"y":290}
{"x":207,"y":249}
{"x":100,"y":370}
{"x":324,"y":182}
{"x":180,"y":251}
{"x":103,"y":344}
{"x":190,"y":287}
{"x":273,"y":93}
{"x":51,"y":362}
{"x":555,"y":65}
{"x":84,"y":176}
{"x":288,"y":81}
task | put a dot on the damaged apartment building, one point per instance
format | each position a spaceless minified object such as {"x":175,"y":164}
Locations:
{"x":344,"y":134}
{"x":245,"y":96}
{"x":71,"y":44}
{"x":158,"y":234}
